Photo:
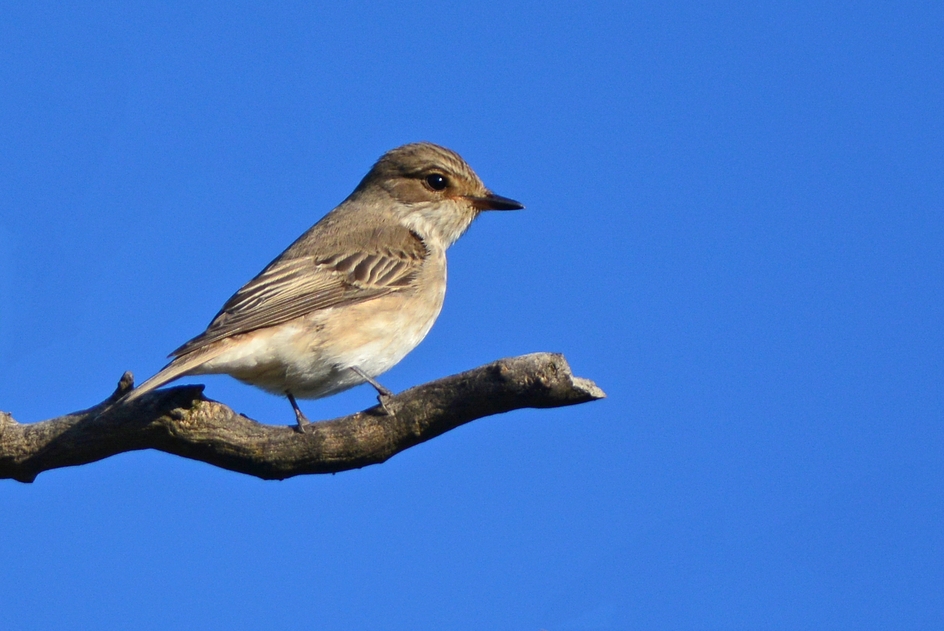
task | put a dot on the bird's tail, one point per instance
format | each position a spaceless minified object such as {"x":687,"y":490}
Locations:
{"x":179,"y":367}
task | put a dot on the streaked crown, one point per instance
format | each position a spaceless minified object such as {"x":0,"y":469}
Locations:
{"x":433,"y":190}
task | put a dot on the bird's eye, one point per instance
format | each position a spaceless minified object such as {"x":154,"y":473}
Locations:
{"x":437,"y":181}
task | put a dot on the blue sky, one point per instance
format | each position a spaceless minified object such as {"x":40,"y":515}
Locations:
{"x":734,"y":226}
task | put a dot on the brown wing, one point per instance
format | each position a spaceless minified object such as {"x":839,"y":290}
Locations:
{"x":292,"y":287}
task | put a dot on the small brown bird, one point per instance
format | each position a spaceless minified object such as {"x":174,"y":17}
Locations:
{"x":355,"y":293}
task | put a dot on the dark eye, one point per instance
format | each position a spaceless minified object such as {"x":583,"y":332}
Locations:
{"x":437,"y":181}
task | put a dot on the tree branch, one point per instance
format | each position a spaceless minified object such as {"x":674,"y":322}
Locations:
{"x":181,"y":421}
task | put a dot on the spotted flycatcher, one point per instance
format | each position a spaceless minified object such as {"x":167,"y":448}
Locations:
{"x":355,"y":293}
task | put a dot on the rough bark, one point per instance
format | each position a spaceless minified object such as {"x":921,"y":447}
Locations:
{"x":181,"y":421}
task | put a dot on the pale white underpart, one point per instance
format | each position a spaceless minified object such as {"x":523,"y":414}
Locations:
{"x":312,"y":356}
{"x":439,"y":229}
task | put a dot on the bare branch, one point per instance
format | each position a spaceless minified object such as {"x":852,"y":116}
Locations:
{"x":181,"y":421}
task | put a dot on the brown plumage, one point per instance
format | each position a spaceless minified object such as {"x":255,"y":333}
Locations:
{"x":352,"y":295}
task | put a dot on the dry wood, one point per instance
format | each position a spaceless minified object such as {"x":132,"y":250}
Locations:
{"x":181,"y":421}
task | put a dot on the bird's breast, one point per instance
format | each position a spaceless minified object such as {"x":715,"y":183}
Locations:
{"x":376,"y":334}
{"x":310,"y":355}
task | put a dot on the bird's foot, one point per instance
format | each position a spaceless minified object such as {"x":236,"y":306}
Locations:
{"x":383,"y":398}
{"x":383,"y":394}
{"x":301,"y":421}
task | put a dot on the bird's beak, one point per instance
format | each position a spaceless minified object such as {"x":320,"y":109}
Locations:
{"x":491,"y":201}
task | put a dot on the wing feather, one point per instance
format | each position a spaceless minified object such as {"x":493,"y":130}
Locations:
{"x":293,"y":287}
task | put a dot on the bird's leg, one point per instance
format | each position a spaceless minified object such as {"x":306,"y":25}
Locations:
{"x":383,"y":395}
{"x":300,"y":418}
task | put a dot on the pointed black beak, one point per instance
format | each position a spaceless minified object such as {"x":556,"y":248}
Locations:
{"x":494,"y":202}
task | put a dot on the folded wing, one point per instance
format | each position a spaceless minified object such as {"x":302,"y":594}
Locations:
{"x":293,"y":287}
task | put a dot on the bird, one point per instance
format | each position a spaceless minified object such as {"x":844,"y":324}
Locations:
{"x":352,"y":295}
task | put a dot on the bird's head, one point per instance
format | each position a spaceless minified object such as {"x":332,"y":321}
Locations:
{"x":433,"y":191}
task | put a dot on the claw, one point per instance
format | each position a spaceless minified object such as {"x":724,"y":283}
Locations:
{"x":383,"y":394}
{"x":300,"y":419}
{"x":383,"y":399}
